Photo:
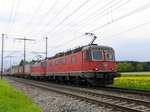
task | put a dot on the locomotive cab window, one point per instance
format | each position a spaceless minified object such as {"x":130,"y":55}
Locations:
{"x":88,"y":56}
{"x":110,"y":56}
{"x":97,"y":55}
{"x":73,"y":59}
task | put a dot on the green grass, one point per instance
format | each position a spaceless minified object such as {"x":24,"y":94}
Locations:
{"x":11,"y":100}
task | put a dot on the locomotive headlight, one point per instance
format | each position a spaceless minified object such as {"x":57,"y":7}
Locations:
{"x":112,"y":69}
{"x":96,"y":69}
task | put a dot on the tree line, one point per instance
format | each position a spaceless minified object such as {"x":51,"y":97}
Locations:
{"x":132,"y":66}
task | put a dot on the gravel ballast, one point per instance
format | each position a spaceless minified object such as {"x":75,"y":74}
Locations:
{"x":52,"y":102}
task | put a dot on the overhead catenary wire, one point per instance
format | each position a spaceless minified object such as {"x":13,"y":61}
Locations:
{"x":76,"y":9}
{"x":47,"y":13}
{"x":67,"y":17}
{"x":95,"y":16}
{"x":53,"y":18}
{"x":61,"y":23}
{"x":10,"y":16}
{"x":29,"y":22}
{"x":73,"y":19}
{"x":95,"y":19}
{"x":124,"y":16}
{"x":71,"y":15}
{"x":13,"y":52}
{"x":99,"y":8}
{"x":65,"y":43}
{"x":106,"y":13}
{"x":115,"y":20}
{"x":120,"y":33}
{"x":136,"y":10}
{"x":97,"y":11}
{"x":14,"y":17}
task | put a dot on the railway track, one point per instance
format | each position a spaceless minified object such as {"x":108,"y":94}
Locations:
{"x":126,"y":90}
{"x":108,"y":101}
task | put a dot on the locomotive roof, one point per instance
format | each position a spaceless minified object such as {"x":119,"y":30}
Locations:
{"x":81,"y":48}
{"x":98,"y":47}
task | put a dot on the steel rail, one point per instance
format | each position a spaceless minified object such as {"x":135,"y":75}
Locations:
{"x":126,"y":90}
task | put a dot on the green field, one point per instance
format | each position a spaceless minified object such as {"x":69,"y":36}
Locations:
{"x":11,"y":100}
{"x":134,"y":81}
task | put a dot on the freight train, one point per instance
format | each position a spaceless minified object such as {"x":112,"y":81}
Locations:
{"x":91,"y":64}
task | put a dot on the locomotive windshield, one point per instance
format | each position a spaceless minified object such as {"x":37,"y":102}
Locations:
{"x":110,"y":56}
{"x":97,"y":55}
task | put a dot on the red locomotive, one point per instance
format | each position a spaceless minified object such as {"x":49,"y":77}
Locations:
{"x":91,"y":64}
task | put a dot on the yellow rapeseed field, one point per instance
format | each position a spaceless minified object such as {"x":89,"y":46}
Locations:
{"x":133,"y":82}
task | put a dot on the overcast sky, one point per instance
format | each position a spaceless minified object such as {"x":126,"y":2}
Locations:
{"x":121,"y":24}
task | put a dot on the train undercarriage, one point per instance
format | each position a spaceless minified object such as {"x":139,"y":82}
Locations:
{"x":78,"y":78}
